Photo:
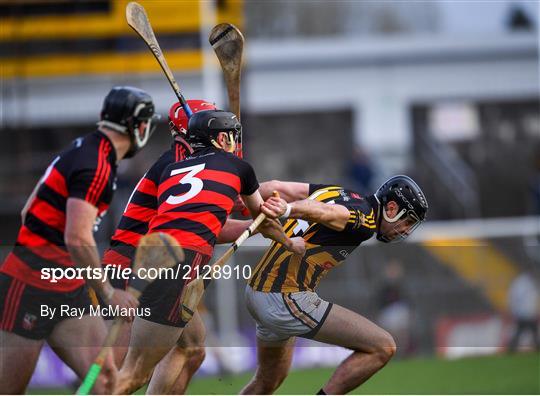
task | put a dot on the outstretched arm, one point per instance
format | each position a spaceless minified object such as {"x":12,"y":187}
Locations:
{"x":271,"y":228}
{"x":289,"y":191}
{"x":330,"y":215}
{"x":232,"y":229}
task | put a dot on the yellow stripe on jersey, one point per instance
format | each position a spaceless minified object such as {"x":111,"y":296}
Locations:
{"x":327,"y":196}
{"x":280,"y":270}
{"x":268,"y":277}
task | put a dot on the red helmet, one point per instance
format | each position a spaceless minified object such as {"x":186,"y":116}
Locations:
{"x":178,"y":121}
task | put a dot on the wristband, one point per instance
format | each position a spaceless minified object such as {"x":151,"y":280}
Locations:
{"x":287,"y":213}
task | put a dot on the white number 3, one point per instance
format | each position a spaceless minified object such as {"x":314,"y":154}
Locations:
{"x":196,"y":184}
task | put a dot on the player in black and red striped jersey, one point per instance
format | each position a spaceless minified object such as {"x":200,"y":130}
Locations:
{"x":195,"y":197}
{"x":140,"y":209}
{"x":58,"y":221}
{"x":143,"y":203}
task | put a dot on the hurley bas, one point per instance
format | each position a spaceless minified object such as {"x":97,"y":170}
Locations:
{"x":66,"y":311}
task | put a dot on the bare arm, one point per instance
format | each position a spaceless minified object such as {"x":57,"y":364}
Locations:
{"x":232,"y":229}
{"x":271,"y":228}
{"x":79,"y":239}
{"x":289,"y":191}
{"x":330,"y":215}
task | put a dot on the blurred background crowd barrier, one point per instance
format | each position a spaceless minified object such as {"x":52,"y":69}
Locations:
{"x":346,"y":92}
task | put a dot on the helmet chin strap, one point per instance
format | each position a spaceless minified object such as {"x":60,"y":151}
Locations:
{"x":232,"y":144}
{"x":395,"y":218}
{"x":388,"y":219}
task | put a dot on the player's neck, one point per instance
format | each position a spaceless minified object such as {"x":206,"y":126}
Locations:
{"x":120,"y":142}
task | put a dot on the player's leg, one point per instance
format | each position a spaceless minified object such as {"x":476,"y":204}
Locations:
{"x":121,"y":344}
{"x":23,"y":330}
{"x":193,"y":341}
{"x":373,"y":347}
{"x":155,"y":335}
{"x":149,"y":343}
{"x":77,"y":341}
{"x":174,"y":371}
{"x":18,"y":358}
{"x":275,"y":329}
{"x":273,"y":363}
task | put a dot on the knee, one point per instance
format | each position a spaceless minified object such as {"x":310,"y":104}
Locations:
{"x":196,"y":355}
{"x":386,"y":348}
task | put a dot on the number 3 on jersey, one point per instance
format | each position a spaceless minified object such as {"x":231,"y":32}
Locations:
{"x":189,"y":178}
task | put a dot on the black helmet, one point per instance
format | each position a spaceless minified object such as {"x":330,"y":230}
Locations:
{"x":124,"y":109}
{"x":411,"y":201}
{"x":204,"y":126}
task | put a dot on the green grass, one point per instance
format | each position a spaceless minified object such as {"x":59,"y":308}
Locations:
{"x":502,"y":374}
{"x":510,"y":374}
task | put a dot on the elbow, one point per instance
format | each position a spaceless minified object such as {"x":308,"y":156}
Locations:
{"x":77,"y":239}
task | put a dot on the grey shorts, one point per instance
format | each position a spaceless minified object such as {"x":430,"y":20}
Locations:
{"x":280,"y":316}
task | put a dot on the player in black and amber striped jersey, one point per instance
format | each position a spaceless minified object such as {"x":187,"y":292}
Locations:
{"x":195,"y":197}
{"x":58,"y":221}
{"x":281,"y":295}
{"x":279,"y":271}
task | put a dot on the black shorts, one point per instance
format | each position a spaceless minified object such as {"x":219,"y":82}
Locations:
{"x":161,"y":298}
{"x":22,"y":307}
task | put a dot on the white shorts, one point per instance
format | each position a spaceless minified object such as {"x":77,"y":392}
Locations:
{"x":280,"y":316}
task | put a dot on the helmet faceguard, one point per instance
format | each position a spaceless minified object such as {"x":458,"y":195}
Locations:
{"x":124,"y":110}
{"x":412,"y":208}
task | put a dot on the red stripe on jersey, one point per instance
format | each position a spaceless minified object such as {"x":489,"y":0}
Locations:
{"x":206,"y":218}
{"x":57,"y":182}
{"x":128,"y":237}
{"x":97,"y":175}
{"x":189,"y":240}
{"x":204,"y":197}
{"x":113,"y":257}
{"x":43,"y":248}
{"x":8,"y":304}
{"x":18,"y":269}
{"x":147,"y":186}
{"x":102,"y":208}
{"x":48,"y":214}
{"x":28,"y":238}
{"x":16,"y":301}
{"x":104,"y":178}
{"x":139,"y":213}
{"x":227,"y":178}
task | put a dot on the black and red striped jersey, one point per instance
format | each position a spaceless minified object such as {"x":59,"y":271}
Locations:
{"x":85,"y":170}
{"x":196,"y":195}
{"x":140,"y":209}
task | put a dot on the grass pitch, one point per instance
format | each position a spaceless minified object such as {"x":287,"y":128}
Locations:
{"x":501,"y":374}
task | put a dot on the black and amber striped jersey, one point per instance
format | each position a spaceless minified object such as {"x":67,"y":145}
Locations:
{"x":196,"y":195}
{"x":86,"y":170}
{"x":281,"y":271}
{"x":140,"y":209}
